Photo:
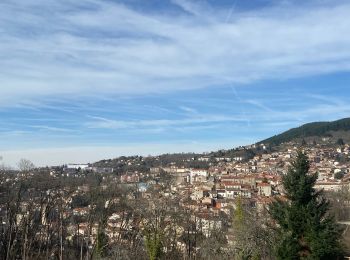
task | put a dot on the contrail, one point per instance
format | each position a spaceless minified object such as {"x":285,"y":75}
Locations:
{"x":229,"y":15}
{"x":243,"y":111}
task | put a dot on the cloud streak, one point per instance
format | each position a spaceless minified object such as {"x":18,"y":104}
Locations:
{"x":100,"y":122}
{"x":67,"y":48}
{"x":106,"y":75}
{"x":86,"y":154}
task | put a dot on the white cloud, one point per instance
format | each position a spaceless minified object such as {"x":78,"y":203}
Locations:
{"x":61,"y":48}
{"x":51,"y":129}
{"x":100,"y":122}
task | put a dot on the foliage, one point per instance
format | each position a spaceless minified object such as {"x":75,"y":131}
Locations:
{"x":340,"y":142}
{"x":80,"y":201}
{"x":101,"y":244}
{"x":238,"y":214}
{"x":338,"y":175}
{"x":153,"y":242}
{"x":143,"y":164}
{"x":238,"y":152}
{"x":303,"y":142}
{"x":306,"y":230}
{"x":311,"y":129}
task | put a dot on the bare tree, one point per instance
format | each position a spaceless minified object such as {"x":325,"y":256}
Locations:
{"x":25,"y":165}
{"x":253,"y":235}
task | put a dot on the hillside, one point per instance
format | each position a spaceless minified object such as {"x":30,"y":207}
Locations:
{"x":334,"y":131}
{"x":314,"y":130}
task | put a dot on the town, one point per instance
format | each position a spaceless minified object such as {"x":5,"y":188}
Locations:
{"x":115,"y":207}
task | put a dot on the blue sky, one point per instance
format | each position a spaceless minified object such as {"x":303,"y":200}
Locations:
{"x":92,"y":79}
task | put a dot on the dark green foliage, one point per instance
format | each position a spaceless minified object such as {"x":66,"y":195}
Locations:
{"x":245,"y":153}
{"x":339,"y":175}
{"x":101,"y":245}
{"x":80,"y":201}
{"x":311,"y":129}
{"x":340,"y":142}
{"x":303,"y":142}
{"x":142,"y":164}
{"x":306,"y":230}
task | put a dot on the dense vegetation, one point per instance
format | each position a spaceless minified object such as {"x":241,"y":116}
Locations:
{"x":143,"y":164}
{"x":318,"y":129}
{"x":305,"y":229}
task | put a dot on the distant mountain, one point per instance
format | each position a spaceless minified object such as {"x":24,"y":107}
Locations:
{"x":316,"y":129}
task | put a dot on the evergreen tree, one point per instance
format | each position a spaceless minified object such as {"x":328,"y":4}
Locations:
{"x":153,"y":240}
{"x":305,"y":228}
{"x":340,"y":142}
{"x":101,"y":245}
{"x":303,"y":142}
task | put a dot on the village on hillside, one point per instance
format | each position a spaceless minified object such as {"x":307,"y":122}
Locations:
{"x":76,"y":194}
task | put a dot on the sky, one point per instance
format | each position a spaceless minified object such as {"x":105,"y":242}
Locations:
{"x":92,"y":79}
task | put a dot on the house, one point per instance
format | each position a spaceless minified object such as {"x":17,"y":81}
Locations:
{"x":232,"y":193}
{"x":102,"y":169}
{"x":220,"y":203}
{"x":330,"y":186}
{"x":264,"y":189}
{"x":198,"y":175}
{"x":221,"y":193}
{"x":77,"y":166}
{"x":130,"y":178}
{"x":206,"y":223}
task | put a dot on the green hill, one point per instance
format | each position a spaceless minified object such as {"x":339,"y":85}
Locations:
{"x":316,"y":129}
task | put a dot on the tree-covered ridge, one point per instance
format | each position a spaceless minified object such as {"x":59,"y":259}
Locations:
{"x":311,"y":129}
{"x":190,"y":160}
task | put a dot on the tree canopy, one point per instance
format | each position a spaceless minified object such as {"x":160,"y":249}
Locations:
{"x":310,"y":129}
{"x":305,"y":228}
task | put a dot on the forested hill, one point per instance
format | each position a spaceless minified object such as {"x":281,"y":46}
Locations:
{"x":336,"y":130}
{"x":316,"y":129}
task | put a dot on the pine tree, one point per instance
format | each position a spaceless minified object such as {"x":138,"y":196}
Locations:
{"x":305,"y":228}
{"x":303,"y":142}
{"x":340,"y":142}
{"x":153,"y":244}
{"x":101,"y":244}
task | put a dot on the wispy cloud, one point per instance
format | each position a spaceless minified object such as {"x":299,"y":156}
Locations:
{"x":51,"y":129}
{"x":189,"y":110}
{"x":98,"y":73}
{"x":98,"y":46}
{"x":101,"y":122}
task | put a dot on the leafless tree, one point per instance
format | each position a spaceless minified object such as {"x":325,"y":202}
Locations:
{"x":254,"y":236}
{"x":25,"y":165}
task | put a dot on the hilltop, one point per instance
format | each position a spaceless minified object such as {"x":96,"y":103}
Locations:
{"x":316,"y":130}
{"x":326,"y":133}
